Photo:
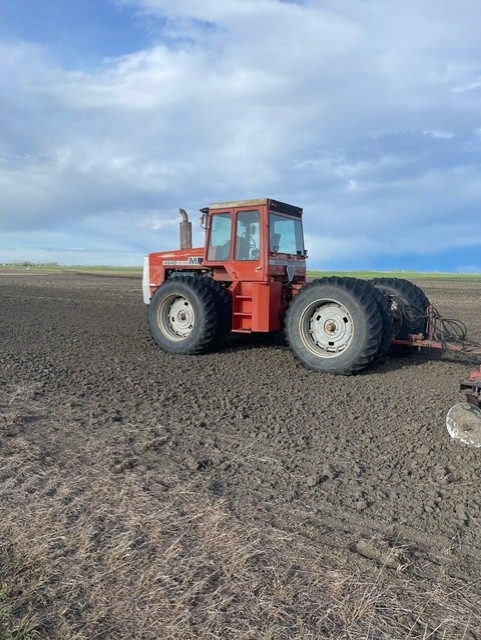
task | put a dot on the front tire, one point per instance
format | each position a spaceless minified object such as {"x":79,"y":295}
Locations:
{"x":222,"y":302}
{"x":334,"y":326}
{"x":183,"y":316}
{"x":223,"y":309}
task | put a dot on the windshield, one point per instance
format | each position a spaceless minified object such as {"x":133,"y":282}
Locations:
{"x":285,"y":235}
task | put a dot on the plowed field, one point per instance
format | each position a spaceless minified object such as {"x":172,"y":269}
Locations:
{"x":229,"y":495}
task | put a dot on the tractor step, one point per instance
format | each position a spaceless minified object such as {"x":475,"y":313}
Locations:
{"x":242,"y":309}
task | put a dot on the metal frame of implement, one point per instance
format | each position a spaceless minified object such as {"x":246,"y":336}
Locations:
{"x":470,"y":386}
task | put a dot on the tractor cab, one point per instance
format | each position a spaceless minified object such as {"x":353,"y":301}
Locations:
{"x":255,"y":241}
{"x":256,"y":247}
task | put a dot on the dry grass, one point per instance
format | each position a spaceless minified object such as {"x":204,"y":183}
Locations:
{"x":90,"y":554}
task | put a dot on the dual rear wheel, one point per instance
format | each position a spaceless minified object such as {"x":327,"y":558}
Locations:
{"x":343,"y":325}
{"x":338,"y":325}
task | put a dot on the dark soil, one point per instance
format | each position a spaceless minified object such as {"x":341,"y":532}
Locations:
{"x":335,"y":460}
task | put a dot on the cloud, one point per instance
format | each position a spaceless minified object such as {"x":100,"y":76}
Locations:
{"x":366,"y":114}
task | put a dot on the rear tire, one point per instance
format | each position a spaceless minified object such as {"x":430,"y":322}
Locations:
{"x":183,"y":316}
{"x":387,"y":324}
{"x":384,"y":310}
{"x":408,"y":305}
{"x":334,"y":325}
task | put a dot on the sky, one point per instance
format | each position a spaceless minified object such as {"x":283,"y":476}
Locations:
{"x":366,"y":113}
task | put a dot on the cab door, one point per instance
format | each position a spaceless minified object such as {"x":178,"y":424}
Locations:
{"x":255,"y":302}
{"x":248,"y":249}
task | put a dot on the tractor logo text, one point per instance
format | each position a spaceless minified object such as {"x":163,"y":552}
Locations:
{"x":182,"y":263}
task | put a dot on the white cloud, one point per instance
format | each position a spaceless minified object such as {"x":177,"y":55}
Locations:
{"x":352,"y":110}
{"x":440,"y":135}
{"x":468,"y":87}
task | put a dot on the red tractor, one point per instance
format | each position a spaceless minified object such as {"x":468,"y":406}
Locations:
{"x":250,"y":277}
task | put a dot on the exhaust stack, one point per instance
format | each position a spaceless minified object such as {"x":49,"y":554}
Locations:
{"x":185,"y":231}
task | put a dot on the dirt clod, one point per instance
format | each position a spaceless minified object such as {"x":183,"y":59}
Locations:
{"x":381,"y":552}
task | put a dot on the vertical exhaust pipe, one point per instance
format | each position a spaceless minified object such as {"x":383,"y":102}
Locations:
{"x":185,"y":231}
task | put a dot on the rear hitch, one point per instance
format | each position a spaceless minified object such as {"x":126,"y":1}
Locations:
{"x":443,"y":334}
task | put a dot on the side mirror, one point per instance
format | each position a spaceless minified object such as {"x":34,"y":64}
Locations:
{"x":203,"y":218}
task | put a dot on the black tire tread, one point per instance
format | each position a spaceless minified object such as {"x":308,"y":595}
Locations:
{"x":384,"y":310}
{"x":222,"y":301}
{"x":224,"y":309}
{"x":414,"y":298}
{"x":356,"y":289}
{"x":387,"y":325}
{"x":207,"y":329}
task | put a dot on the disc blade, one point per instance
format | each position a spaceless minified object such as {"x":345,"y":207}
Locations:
{"x":464,"y":423}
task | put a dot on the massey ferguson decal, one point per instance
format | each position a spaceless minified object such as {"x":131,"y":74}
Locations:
{"x":183,"y":263}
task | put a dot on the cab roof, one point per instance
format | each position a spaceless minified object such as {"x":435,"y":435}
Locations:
{"x":273,"y":205}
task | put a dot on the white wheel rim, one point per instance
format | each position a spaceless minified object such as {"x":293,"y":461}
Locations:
{"x":327,"y":328}
{"x":176,"y":317}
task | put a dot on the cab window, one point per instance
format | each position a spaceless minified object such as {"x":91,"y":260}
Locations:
{"x":219,"y":239}
{"x":248,"y":237}
{"x":285,"y":235}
